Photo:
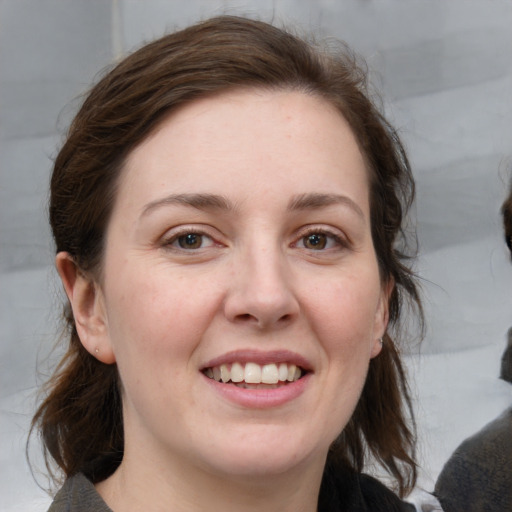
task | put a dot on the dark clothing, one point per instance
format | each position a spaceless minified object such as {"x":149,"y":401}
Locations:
{"x":478,"y":476}
{"x":346,"y":491}
{"x":78,"y":495}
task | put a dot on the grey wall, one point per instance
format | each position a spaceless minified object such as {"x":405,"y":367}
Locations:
{"x":444,"y":68}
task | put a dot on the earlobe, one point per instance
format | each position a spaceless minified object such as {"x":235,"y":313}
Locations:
{"x":376,"y":347}
{"x":382,"y":318}
{"x":86,"y":299}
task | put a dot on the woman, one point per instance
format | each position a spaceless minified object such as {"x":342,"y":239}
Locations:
{"x":226,"y":210}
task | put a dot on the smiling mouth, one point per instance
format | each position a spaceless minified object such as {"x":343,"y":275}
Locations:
{"x":255,"y":376}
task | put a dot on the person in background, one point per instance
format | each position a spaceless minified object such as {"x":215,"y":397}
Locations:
{"x":478,"y":476}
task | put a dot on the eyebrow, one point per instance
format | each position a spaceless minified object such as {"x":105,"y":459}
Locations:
{"x":313,"y":200}
{"x":309,"y":201}
{"x":198,"y":201}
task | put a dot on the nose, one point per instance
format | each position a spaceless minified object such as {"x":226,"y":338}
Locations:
{"x":261,"y":292}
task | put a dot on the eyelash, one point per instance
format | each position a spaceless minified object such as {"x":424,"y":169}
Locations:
{"x":339,"y":241}
{"x":174,"y":239}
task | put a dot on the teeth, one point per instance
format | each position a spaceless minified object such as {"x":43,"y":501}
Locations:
{"x":269,"y":374}
{"x":225,"y":374}
{"x":289,"y":378}
{"x":283,"y":372}
{"x":253,"y":373}
{"x":237,"y":372}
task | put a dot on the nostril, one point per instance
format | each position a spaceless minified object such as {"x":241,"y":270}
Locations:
{"x":245,"y":317}
{"x":248,"y":318}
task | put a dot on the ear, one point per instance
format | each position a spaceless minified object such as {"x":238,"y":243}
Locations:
{"x":381,"y":317}
{"x":87,"y":303}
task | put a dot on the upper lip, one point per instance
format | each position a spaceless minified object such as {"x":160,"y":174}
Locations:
{"x":259,"y":357}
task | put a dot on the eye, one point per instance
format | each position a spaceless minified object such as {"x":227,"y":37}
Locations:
{"x":190,"y":241}
{"x":315,"y":241}
{"x":319,"y":240}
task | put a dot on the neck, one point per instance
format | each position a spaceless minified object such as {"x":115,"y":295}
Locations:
{"x":147,"y":486}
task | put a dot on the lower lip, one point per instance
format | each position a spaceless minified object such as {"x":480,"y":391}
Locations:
{"x":260,"y":398}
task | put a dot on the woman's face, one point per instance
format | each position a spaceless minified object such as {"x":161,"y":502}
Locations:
{"x":239,"y":249}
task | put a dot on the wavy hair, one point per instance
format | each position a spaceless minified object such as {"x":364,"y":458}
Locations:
{"x":80,"y":420}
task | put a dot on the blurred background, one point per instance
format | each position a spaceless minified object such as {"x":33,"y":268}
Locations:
{"x":444,"y":69}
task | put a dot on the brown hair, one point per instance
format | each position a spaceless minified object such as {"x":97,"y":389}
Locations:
{"x":80,"y":420}
{"x":506,"y":211}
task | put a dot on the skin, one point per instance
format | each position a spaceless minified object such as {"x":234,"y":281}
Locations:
{"x":288,"y":173}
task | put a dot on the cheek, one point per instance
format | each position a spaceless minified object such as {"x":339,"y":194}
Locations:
{"x":344,"y":316}
{"x":151,"y":314}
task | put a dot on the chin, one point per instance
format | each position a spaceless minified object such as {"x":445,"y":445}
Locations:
{"x":259,"y":466}
{"x":261,"y":456}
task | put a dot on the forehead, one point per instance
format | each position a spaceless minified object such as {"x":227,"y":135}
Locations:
{"x":248,"y":137}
